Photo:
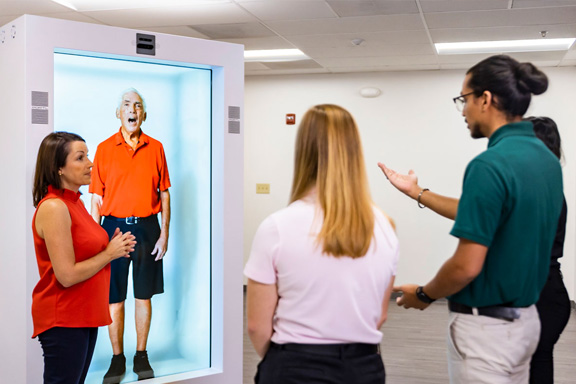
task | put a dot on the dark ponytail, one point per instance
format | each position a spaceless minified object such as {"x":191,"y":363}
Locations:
{"x":510,"y":82}
{"x":531,"y":79}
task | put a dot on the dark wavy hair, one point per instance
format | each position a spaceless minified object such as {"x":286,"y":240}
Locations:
{"x":512,"y":83}
{"x":546,"y":130}
{"x":52,"y":155}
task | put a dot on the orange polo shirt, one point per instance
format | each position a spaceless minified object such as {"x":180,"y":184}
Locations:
{"x":130,"y":180}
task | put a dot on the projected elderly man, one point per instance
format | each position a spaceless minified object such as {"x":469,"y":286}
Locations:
{"x":130,"y":184}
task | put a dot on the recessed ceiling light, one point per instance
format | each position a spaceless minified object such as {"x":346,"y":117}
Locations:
{"x":101,"y":5}
{"x":66,"y":4}
{"x":504,"y":46}
{"x":270,"y":55}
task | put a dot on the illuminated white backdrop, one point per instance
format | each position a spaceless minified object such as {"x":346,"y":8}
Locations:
{"x":87,"y":91}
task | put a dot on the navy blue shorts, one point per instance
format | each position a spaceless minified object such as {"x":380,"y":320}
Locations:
{"x":147,"y":274}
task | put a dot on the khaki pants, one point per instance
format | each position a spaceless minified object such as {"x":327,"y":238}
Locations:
{"x":486,"y":350}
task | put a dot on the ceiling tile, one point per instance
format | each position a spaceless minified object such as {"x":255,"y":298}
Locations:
{"x":537,"y":56}
{"x":70,"y":15}
{"x":195,"y":14}
{"x":510,"y":17}
{"x":287,"y":71}
{"x":570,"y":54}
{"x":540,"y":3}
{"x":348,"y":8}
{"x":568,"y":63}
{"x":540,"y":59}
{"x":5,"y":20}
{"x":244,"y":2}
{"x":462,"y":59}
{"x":74,"y":16}
{"x":520,"y":56}
{"x":462,"y":5}
{"x":545,"y":63}
{"x":502,"y":33}
{"x":289,"y":10}
{"x":462,"y":66}
{"x":236,"y":30}
{"x":180,"y":30}
{"x":31,"y":7}
{"x":348,"y":25}
{"x":393,"y":30}
{"x":370,"y":50}
{"x":300,"y":64}
{"x":252,"y":43}
{"x":386,"y":68}
{"x":376,"y":61}
{"x":253,"y":66}
{"x":112,"y":5}
{"x":345,"y":39}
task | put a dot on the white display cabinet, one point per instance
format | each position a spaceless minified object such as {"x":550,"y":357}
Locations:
{"x":58,"y":75}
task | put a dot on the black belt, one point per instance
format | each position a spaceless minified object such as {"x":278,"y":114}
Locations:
{"x":132,"y":219}
{"x":496,"y":311}
{"x":331,"y":350}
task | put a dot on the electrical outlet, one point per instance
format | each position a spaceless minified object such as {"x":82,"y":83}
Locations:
{"x":263,"y":188}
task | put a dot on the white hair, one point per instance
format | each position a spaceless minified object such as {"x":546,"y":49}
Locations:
{"x":131,"y":90}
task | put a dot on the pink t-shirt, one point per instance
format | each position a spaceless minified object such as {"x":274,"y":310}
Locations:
{"x":322,"y":299}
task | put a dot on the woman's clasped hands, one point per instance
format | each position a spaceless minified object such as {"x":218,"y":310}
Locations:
{"x":121,"y":244}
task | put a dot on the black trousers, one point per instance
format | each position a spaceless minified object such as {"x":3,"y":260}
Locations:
{"x":284,"y":366}
{"x":554,"y":310}
{"x":67,"y":354}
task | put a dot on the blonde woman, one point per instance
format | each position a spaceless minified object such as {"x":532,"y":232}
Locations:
{"x":321,"y":270}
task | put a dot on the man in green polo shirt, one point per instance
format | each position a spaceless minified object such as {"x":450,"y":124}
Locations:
{"x":505,"y":220}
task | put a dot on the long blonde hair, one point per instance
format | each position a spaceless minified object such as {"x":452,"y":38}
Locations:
{"x":329,"y":156}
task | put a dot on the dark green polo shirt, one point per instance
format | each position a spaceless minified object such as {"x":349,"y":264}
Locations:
{"x":511,"y":201}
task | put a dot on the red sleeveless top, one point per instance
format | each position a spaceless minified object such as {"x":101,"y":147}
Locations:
{"x":84,"y":304}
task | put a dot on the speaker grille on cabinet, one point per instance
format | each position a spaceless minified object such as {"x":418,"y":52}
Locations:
{"x":233,"y":119}
{"x":39,"y":107}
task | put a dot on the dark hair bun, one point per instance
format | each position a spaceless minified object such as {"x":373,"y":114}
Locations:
{"x":531,"y":79}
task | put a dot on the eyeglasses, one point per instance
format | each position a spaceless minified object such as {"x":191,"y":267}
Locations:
{"x":460,"y":101}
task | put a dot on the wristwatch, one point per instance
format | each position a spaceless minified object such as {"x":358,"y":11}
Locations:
{"x":423,"y":297}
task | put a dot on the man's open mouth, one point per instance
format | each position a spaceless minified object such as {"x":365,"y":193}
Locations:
{"x":131,"y":120}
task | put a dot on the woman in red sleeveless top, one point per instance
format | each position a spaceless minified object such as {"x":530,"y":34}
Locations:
{"x":71,"y":298}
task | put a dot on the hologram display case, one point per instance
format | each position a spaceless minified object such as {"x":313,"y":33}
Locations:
{"x":59,"y":75}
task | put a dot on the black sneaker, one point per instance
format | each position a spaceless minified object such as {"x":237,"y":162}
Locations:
{"x":142,"y":366}
{"x":116,"y":371}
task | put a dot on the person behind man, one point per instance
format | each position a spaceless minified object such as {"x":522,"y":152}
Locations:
{"x":505,"y":220}
{"x":554,"y":303}
{"x":320,"y":271}
{"x":130,"y":184}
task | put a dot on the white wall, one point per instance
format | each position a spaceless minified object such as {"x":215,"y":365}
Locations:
{"x":413,"y":124}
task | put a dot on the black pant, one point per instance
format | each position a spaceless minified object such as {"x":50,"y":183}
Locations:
{"x":554,"y":310}
{"x":67,"y":354}
{"x":284,"y":366}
